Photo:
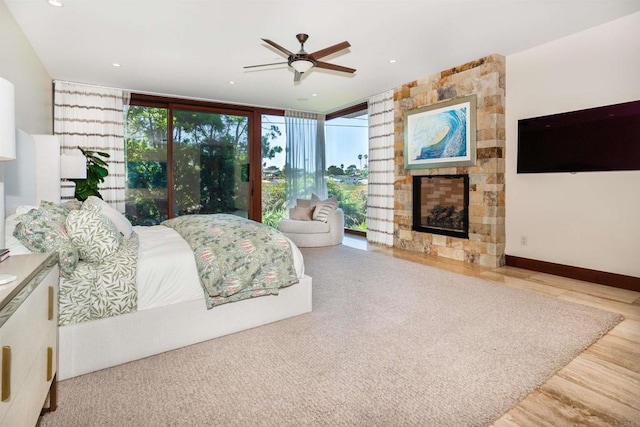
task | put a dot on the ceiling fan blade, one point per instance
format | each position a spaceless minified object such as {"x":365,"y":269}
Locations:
{"x":327,"y":66}
{"x":297,"y":76}
{"x":265,"y":65}
{"x":277,"y":46}
{"x":329,"y":50}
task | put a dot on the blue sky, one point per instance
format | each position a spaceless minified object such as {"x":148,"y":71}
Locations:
{"x":345,"y":139}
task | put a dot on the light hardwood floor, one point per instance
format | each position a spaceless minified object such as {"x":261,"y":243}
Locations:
{"x":600,"y":387}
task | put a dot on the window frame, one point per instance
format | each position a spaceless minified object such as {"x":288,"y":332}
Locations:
{"x":254,"y":115}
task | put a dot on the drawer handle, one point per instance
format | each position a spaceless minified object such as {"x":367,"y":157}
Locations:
{"x":51,"y":295}
{"x":6,"y":373}
{"x":49,"y":363}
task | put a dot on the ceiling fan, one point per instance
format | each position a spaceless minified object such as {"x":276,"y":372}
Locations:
{"x":302,"y":61}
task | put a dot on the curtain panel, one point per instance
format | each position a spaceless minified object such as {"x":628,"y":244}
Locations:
{"x":305,"y":157}
{"x":381,"y":170}
{"x":92,"y":117}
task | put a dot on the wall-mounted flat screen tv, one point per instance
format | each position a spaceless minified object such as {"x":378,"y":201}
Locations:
{"x":597,"y":139}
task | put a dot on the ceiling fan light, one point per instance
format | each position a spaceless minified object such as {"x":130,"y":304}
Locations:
{"x":302,"y":65}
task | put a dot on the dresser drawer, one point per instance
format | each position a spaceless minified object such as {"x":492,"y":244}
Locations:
{"x":28,"y":401}
{"x":28,"y":350}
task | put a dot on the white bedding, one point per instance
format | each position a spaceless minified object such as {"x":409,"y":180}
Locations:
{"x":167,"y":272}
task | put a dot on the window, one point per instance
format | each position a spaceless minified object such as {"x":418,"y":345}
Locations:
{"x":186,"y":158}
{"x":210,"y":163}
{"x":146,"y":157}
{"x":274,"y":197}
{"x":346,"y":148}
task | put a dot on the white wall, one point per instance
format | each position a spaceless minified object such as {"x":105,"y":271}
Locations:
{"x":20,"y":64}
{"x":589,"y":220}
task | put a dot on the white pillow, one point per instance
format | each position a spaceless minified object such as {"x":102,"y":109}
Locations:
{"x":120,"y":221}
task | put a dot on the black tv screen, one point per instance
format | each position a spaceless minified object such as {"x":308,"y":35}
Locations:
{"x":596,"y":139}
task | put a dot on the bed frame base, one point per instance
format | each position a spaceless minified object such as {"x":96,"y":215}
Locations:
{"x":99,"y":344}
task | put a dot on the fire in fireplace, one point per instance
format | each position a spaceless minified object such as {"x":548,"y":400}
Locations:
{"x":441,"y":205}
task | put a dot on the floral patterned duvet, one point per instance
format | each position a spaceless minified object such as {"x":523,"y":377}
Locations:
{"x":236,"y":258}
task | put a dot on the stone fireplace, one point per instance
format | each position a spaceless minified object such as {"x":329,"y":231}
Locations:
{"x":441,"y":205}
{"x":485,"y":241}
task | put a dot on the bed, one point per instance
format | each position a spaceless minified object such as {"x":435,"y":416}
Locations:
{"x":170,"y":311}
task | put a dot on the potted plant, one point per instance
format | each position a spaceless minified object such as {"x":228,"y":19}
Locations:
{"x":96,"y":171}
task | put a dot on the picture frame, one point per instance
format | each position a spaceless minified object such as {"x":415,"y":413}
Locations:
{"x":441,"y":135}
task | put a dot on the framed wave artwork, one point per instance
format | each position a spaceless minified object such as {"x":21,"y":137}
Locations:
{"x":441,"y":135}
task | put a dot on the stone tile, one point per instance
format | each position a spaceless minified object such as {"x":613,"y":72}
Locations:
{"x":451,"y":253}
{"x":419,"y":89}
{"x":420,"y":100}
{"x":489,"y":153}
{"x":490,"y":198}
{"x":439,"y":240}
{"x":464,"y":67}
{"x":447,"y":92}
{"x":405,"y":235}
{"x":497,"y":178}
{"x":490,"y":143}
{"x":491,"y":187}
{"x":486,"y":134}
{"x":471,"y":257}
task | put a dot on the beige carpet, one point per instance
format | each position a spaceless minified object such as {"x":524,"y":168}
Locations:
{"x":389,"y":343}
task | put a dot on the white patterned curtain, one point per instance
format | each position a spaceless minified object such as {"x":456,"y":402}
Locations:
{"x":381,"y":169}
{"x":92,"y":117}
{"x":305,"y":161}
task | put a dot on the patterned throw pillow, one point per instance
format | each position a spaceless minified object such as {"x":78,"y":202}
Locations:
{"x":71,"y":205}
{"x":43,"y":230}
{"x":68,"y":257}
{"x":39,"y":229}
{"x":323,"y":207}
{"x":54,"y":208}
{"x":121,"y":222}
{"x":95,"y":235}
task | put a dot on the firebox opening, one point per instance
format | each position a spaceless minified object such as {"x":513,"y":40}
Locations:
{"x":441,"y":205}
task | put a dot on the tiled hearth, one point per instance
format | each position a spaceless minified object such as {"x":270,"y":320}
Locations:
{"x":485,"y":78}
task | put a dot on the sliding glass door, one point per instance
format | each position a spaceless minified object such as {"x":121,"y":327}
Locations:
{"x":184,"y":159}
{"x":146,"y":154}
{"x":210,"y":163}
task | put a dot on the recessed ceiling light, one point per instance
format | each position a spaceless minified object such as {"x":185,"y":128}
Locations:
{"x":314,"y":94}
{"x":55,"y":3}
{"x":392,"y":61}
{"x":231,"y":82}
{"x":115,"y":64}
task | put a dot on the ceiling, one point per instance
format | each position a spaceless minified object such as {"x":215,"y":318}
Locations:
{"x":194,"y":48}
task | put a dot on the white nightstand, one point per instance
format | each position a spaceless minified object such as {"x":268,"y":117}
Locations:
{"x":28,"y":338}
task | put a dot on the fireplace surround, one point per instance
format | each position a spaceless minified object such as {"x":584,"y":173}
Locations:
{"x":484,"y":77}
{"x":441,"y":205}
